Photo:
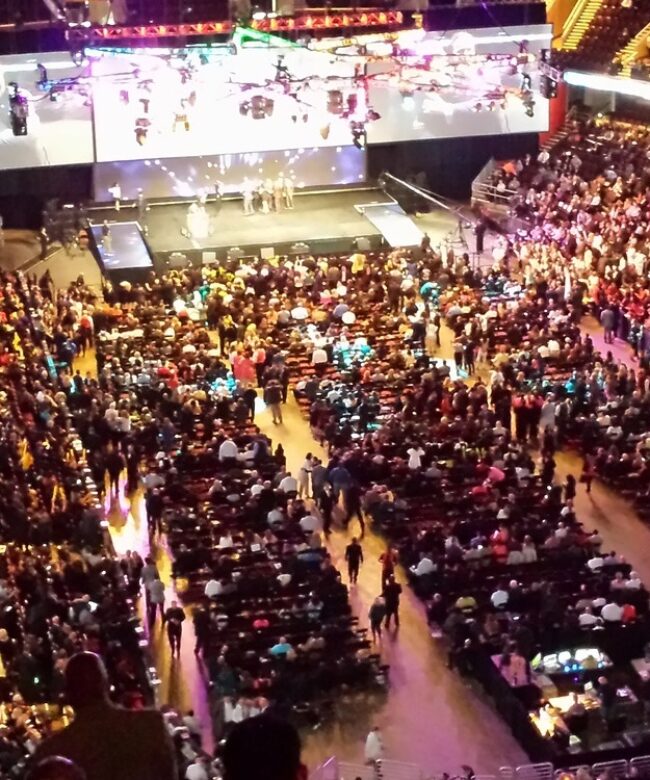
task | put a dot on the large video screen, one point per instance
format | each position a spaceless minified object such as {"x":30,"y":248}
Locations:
{"x":215,"y":103}
{"x":184,"y":177}
{"x":460,"y":83}
{"x":58,"y":122}
{"x":248,"y":98}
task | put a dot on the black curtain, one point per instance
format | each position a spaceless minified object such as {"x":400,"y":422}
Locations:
{"x":23,"y":192}
{"x":451,"y":164}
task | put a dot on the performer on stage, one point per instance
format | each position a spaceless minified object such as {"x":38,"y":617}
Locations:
{"x":107,"y":242}
{"x":116,"y":193}
{"x":278,"y":191}
{"x":141,"y":205}
{"x":266,"y":193}
{"x":288,"y":192}
{"x":247,"y":196}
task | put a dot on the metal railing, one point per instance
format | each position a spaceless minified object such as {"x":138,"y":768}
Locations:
{"x":386,"y":769}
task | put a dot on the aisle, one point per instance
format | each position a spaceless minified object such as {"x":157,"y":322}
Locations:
{"x":430,"y":716}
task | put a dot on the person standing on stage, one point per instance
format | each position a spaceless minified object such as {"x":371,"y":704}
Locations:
{"x":288,"y":192}
{"x":278,"y":192}
{"x":116,"y":193}
{"x":141,"y":203}
{"x":247,"y":196}
{"x":266,"y":193}
{"x":107,"y":243}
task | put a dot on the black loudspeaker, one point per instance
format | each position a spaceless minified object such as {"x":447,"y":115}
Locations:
{"x":547,"y":87}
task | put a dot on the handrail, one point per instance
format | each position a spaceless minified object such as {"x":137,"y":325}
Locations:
{"x":571,"y":20}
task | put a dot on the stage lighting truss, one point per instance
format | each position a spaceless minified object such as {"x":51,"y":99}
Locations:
{"x":313,"y":21}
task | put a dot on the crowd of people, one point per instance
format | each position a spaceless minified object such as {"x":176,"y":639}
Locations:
{"x":446,"y":446}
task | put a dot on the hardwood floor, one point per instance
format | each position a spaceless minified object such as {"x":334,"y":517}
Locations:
{"x":429,"y":716}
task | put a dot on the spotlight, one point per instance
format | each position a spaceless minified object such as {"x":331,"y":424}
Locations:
{"x":325,"y":132}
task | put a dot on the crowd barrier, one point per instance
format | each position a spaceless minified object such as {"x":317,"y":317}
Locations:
{"x":386,"y":769}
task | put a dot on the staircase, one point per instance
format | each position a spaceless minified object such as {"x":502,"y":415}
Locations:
{"x":578,"y":24}
{"x":631,"y":51}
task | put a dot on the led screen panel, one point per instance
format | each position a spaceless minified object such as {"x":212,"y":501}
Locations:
{"x":221,"y":103}
{"x":59,"y":127}
{"x":472,"y":86}
{"x":185,"y":177}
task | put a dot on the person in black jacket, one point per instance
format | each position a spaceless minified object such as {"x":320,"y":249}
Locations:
{"x":392,"y":592}
{"x":173,"y":619}
{"x":354,"y":557}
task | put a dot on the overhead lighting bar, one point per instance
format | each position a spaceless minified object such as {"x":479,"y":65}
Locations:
{"x":620,"y":86}
{"x":312,"y":21}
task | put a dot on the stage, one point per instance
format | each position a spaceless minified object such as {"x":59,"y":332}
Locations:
{"x":326,"y":222}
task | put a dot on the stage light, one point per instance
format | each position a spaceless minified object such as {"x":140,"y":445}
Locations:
{"x":526,"y":82}
{"x":325,"y":132}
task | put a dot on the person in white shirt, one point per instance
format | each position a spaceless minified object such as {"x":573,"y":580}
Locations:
{"x":228,"y":451}
{"x":284,"y":579}
{"x":318,"y":357}
{"x":415,"y":454}
{"x":634,"y":582}
{"x":374,"y":748}
{"x":152,"y":480}
{"x":595,"y":563}
{"x":275,"y":517}
{"x":424,"y":566}
{"x":309,"y":524}
{"x":499,"y":598}
{"x":612,"y":612}
{"x":213,"y":588}
{"x":304,"y":476}
{"x":288,"y":484}
{"x":226,"y":541}
{"x":587,"y":618}
{"x":198,"y":769}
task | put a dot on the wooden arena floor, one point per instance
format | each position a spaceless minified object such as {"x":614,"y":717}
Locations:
{"x":429,"y":716}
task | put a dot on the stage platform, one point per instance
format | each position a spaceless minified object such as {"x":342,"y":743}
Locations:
{"x":128,"y":249}
{"x":327,"y":222}
{"x":396,"y":227}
